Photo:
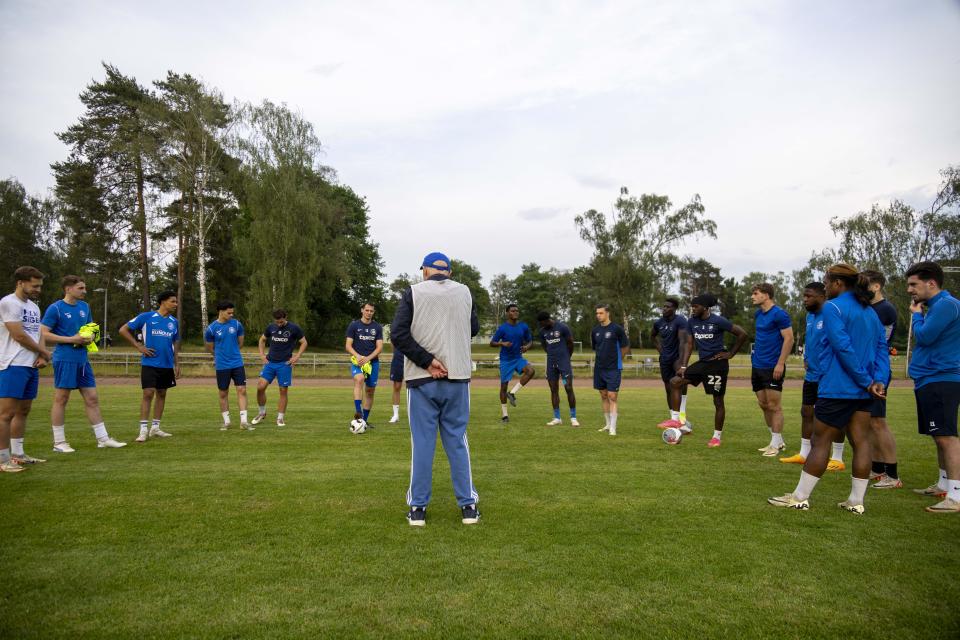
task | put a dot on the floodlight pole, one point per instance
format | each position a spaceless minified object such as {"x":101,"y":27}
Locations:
{"x":103,"y":334}
{"x":906,"y":365}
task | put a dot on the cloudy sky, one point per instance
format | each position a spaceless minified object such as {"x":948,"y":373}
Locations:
{"x":482,"y":129}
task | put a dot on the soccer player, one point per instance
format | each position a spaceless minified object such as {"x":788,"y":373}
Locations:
{"x":705,"y":331}
{"x":814,"y":296}
{"x":396,"y":377}
{"x":855,"y":363}
{"x":773,"y":343}
{"x":364,"y":344}
{"x":437,"y":370}
{"x":160,"y":361}
{"x":71,"y":366}
{"x":514,"y":339}
{"x":611,"y":345}
{"x":278,"y":362}
{"x":669,"y":332}
{"x":884,"y":445}
{"x":22,"y":354}
{"x":557,"y":341}
{"x":935,"y":369}
{"x":223,"y":338}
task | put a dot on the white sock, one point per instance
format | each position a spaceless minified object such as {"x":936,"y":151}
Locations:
{"x":516,"y":388}
{"x":16,"y":446}
{"x":226,"y":417}
{"x":953,"y":489}
{"x":262,"y":409}
{"x":837,"y":452}
{"x":4,"y":455}
{"x":858,"y":487}
{"x":675,"y":415}
{"x":717,"y":434}
{"x":58,"y":434}
{"x":396,"y":410}
{"x":243,"y":417}
{"x":805,"y":486}
{"x":100,"y":431}
{"x":804,"y":447}
{"x":143,"y":427}
{"x":942,"y":482}
{"x":606,"y":419}
{"x":503,"y":409}
{"x":280,"y":416}
{"x":155,"y":424}
{"x":613,"y":422}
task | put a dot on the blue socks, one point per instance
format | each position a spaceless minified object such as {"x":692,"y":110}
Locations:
{"x":573,"y":413}
{"x":556,"y":413}
{"x":366,"y":414}
{"x":357,"y":406}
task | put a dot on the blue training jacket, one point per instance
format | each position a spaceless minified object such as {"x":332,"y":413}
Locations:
{"x":854,"y":354}
{"x":936,"y":357}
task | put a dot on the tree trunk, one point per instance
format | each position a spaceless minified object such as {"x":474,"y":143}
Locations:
{"x":202,"y":279}
{"x":181,"y":259}
{"x":142,"y":229}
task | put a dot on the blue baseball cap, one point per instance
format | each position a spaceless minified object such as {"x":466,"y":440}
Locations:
{"x":436,"y":260}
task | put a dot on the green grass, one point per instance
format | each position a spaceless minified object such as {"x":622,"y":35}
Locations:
{"x":301,"y":532}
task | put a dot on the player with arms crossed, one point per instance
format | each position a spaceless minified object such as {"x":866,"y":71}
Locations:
{"x":364,"y":344}
{"x":814,"y":295}
{"x":22,"y":355}
{"x":160,"y":361}
{"x":223,"y":338}
{"x":557,"y":341}
{"x":514,"y":339}
{"x":278,"y":362}
{"x":774,"y":341}
{"x":669,"y":332}
{"x":935,"y":369}
{"x":61,"y":326}
{"x":705,"y":331}
{"x":611,"y":345}
{"x":855,"y":363}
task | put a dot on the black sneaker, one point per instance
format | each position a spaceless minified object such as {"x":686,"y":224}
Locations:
{"x":369,"y":426}
{"x":512,"y":398}
{"x":505,"y":419}
{"x":469,"y":513}
{"x":417,"y":516}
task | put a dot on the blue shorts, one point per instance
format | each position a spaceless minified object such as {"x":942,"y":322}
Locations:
{"x":371,"y":380}
{"x":509,"y":367}
{"x":606,"y":379}
{"x":282,"y":371}
{"x":237,"y":374}
{"x":560,"y":371}
{"x":396,"y":369}
{"x":73,"y":375}
{"x":19,"y":382}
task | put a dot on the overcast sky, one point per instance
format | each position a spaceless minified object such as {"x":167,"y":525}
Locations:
{"x":482,"y":129}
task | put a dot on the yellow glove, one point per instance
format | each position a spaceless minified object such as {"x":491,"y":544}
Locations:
{"x":91,"y":330}
{"x":367,"y":369}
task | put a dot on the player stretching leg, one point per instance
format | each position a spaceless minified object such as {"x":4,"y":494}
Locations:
{"x":514,"y":339}
{"x":705,"y":331}
{"x":557,"y":341}
{"x":364,"y":344}
{"x":856,"y":363}
{"x":278,"y":363}
{"x":669,"y":332}
{"x":62,"y":324}
{"x":610,"y":345}
{"x":814,"y":295}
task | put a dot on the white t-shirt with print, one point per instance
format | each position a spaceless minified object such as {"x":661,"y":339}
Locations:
{"x":13,"y":309}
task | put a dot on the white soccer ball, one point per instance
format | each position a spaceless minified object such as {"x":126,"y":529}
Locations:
{"x":672,"y":435}
{"x":357,"y":426}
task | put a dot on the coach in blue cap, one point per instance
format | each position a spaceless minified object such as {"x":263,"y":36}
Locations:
{"x":434,"y":323}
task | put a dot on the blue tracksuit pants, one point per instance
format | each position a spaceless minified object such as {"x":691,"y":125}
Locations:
{"x":444,"y":406}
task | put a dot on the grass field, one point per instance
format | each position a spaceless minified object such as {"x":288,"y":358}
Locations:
{"x":300,"y":532}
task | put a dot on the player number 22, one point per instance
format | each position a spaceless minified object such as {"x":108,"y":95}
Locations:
{"x":715,"y":381}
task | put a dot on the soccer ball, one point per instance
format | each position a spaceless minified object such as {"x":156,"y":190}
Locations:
{"x":672,"y":435}
{"x":357,"y":426}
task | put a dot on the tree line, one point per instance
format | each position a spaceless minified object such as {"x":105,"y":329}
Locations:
{"x":170,"y":186}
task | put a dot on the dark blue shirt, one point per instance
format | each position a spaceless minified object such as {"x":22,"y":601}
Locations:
{"x":226,"y":344}
{"x":768,"y":341}
{"x":888,"y":318}
{"x":159,"y":333}
{"x":669,"y":332}
{"x":813,"y":346}
{"x":708,"y":334}
{"x":607,"y":342}
{"x":365,"y":336}
{"x":63,"y":319}
{"x":554,"y":341}
{"x":517,"y":335}
{"x":282,"y":341}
